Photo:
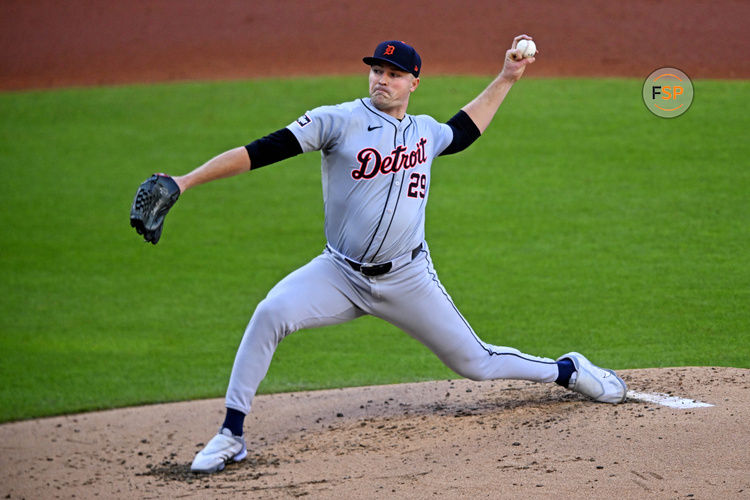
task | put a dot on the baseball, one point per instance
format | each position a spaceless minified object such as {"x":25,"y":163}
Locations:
{"x":527,"y":48}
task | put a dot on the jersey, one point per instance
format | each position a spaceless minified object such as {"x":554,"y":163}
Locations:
{"x":375,"y":173}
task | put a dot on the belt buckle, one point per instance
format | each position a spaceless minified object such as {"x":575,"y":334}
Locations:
{"x":375,"y":270}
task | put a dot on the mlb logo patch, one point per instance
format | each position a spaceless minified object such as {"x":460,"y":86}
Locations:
{"x":303,"y":120}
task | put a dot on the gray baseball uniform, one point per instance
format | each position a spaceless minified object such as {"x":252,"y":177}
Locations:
{"x":376,"y":178}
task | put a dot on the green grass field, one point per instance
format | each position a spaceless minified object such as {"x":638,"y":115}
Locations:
{"x":578,"y":222}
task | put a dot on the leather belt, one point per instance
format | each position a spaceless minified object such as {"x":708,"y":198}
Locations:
{"x":378,"y":269}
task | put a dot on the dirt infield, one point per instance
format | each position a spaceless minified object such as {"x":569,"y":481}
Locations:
{"x":47,"y":43}
{"x":448,"y":439}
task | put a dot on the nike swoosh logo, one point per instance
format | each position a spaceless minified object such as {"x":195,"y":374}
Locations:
{"x":370,"y":128}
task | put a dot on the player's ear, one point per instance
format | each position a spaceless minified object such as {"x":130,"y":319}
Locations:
{"x":414,"y":83}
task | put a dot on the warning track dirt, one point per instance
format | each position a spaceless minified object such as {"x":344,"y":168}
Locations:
{"x":79,"y":42}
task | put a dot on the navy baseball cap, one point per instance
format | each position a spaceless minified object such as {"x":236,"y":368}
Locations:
{"x":399,"y":54}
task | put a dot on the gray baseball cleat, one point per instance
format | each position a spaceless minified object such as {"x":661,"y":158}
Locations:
{"x":597,"y":383}
{"x":222,"y":448}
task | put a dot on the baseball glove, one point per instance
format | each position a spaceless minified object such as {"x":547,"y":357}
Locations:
{"x":152,"y":201}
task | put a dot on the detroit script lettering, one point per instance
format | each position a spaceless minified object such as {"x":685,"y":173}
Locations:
{"x":371,"y":162}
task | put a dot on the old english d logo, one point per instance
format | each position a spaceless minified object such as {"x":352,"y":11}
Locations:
{"x":389,"y":50}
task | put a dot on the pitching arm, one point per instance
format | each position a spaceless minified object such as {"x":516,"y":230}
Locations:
{"x":483,"y":108}
{"x":465,"y":132}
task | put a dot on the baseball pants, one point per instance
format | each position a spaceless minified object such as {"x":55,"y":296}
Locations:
{"x":327,"y":291}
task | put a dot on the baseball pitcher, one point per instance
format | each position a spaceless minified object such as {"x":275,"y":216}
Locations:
{"x":376,"y":161}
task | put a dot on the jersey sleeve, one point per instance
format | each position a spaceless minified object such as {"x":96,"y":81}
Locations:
{"x":442,"y":134}
{"x":318,"y":129}
{"x":274,"y":147}
{"x":465,"y":132}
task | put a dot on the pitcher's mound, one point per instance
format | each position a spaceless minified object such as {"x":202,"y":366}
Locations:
{"x":447,"y":439}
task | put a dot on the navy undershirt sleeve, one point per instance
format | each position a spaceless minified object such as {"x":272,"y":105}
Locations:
{"x":272,"y":148}
{"x":465,"y":132}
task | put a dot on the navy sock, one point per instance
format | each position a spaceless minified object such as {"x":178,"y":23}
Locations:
{"x":566,"y":369}
{"x":234,"y":421}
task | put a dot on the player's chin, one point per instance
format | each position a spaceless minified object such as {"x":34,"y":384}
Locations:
{"x":379,"y":100}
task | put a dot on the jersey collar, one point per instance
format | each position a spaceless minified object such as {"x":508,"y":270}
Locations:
{"x":385,"y":116}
